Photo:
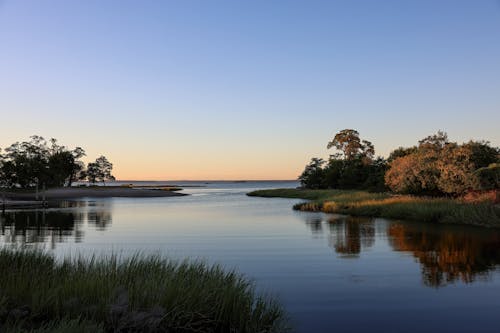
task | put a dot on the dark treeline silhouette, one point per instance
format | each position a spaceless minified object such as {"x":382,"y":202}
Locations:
{"x":37,"y":162}
{"x":435,"y":166}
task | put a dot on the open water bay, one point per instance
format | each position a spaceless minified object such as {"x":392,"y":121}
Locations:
{"x":333,"y":273}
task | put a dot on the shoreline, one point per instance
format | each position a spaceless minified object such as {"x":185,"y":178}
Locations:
{"x":88,"y":192}
{"x":403,"y":207}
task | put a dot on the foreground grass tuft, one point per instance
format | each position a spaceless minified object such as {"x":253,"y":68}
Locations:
{"x":138,"y":294}
{"x":361,"y":203}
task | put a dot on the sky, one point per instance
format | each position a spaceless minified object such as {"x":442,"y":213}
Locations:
{"x":177,"y":90}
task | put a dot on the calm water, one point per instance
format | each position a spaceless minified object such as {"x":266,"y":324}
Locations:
{"x":333,"y":273}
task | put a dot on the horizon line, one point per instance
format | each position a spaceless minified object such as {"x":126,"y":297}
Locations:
{"x":205,"y":180}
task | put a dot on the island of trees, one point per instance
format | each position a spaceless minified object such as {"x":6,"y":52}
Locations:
{"x":436,"y":180}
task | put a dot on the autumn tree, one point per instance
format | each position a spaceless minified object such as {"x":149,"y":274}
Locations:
{"x":437,"y":166}
{"x":402,"y":177}
{"x":456,"y":170}
{"x":351,"y":146}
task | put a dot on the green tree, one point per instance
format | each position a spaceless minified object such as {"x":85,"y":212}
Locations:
{"x":313,"y":175}
{"x":488,"y":177}
{"x":483,"y":154}
{"x":401,"y":152}
{"x":333,"y":172}
{"x":351,"y":168}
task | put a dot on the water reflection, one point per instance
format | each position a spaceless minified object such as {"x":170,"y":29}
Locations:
{"x":448,"y":254}
{"x":30,"y":227}
{"x":350,"y":235}
{"x":315,"y":223}
{"x":52,"y":226}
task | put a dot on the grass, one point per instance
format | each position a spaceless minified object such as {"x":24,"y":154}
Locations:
{"x":361,"y":203}
{"x":138,"y":294}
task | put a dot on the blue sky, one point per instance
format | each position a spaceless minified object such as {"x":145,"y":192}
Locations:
{"x":245,"y":89}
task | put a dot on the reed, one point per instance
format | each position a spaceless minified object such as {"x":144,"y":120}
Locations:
{"x":136,"y":294}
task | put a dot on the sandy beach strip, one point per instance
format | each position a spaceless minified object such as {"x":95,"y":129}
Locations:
{"x":91,"y":192}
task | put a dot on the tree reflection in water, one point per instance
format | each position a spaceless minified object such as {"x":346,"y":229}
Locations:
{"x":350,"y":235}
{"x":315,"y":223}
{"x":52,"y":226}
{"x":448,"y":254}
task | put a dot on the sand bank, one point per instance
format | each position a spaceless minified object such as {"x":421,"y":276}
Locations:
{"x":91,"y":192}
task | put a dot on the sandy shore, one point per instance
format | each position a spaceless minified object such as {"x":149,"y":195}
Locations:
{"x":91,"y":192}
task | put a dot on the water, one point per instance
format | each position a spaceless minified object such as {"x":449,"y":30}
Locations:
{"x":333,"y":273}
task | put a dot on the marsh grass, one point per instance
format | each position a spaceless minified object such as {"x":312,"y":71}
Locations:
{"x":361,"y":203}
{"x":136,"y":294}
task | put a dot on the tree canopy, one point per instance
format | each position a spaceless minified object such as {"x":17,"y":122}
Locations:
{"x":100,"y":170}
{"x":38,"y":162}
{"x":351,"y":146}
{"x":354,"y":167}
{"x":439,"y":167}
{"x":435,"y":166}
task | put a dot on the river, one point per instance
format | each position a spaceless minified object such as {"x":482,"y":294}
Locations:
{"x":332,"y":273}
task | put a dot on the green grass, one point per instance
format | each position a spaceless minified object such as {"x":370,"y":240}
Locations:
{"x":361,"y":203}
{"x":138,"y":294}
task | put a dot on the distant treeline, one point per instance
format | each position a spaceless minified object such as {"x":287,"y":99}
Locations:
{"x":435,"y":167}
{"x":37,"y":162}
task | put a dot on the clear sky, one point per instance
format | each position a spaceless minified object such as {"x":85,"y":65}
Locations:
{"x":245,"y":89}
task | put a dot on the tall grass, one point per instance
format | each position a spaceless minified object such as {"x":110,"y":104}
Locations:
{"x":138,"y":294}
{"x":361,"y":203}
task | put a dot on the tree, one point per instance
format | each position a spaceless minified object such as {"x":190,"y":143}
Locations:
{"x":2,"y":174}
{"x":456,"y":170}
{"x":333,"y":172}
{"x":349,"y":143}
{"x":488,"y":177}
{"x":401,"y":176}
{"x":440,"y":167}
{"x":100,"y":170}
{"x":27,"y":163}
{"x":32,"y":163}
{"x":313,"y":175}
{"x":483,"y":154}
{"x":416,"y":170}
{"x":401,"y":152}
{"x":92,"y":172}
{"x":435,"y":141}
